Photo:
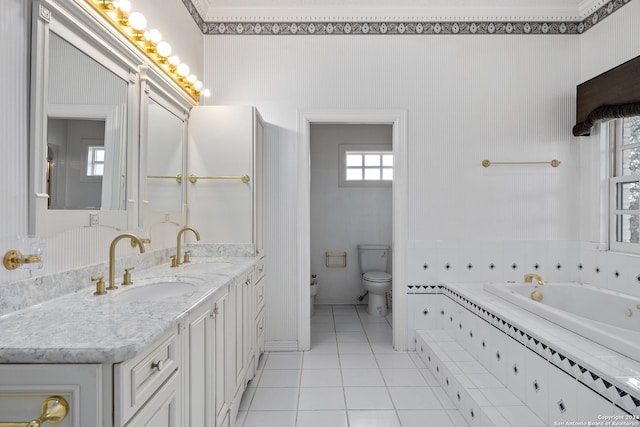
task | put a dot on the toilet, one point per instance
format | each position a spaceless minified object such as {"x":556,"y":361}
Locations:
{"x":313,"y":293}
{"x":373,"y":261}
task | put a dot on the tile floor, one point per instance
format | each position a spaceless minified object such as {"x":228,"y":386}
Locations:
{"x":350,"y":377}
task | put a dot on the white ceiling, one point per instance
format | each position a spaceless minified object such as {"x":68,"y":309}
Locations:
{"x":362,"y":10}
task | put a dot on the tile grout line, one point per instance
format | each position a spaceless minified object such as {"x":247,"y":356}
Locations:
{"x":384,"y":381}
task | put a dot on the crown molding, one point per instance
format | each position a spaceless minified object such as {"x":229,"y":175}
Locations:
{"x":438,"y":19}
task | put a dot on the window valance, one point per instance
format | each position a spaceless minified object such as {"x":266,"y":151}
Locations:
{"x":612,"y":94}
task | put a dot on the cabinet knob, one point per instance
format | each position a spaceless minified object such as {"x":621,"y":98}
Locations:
{"x":214,"y":312}
{"x":157,"y":365}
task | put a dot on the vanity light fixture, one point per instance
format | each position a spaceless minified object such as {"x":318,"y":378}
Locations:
{"x":132,"y":26}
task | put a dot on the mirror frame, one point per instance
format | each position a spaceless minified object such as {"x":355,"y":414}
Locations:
{"x":78,"y":26}
{"x":154,"y":86}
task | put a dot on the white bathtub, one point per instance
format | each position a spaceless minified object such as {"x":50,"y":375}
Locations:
{"x":609,"y":318}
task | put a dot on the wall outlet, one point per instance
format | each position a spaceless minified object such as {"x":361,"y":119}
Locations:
{"x":94,"y":219}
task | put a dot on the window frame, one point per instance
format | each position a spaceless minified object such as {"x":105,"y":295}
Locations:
{"x":616,"y":148}
{"x":364,"y":149}
{"x":86,"y":144}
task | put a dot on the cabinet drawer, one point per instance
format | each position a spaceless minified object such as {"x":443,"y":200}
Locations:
{"x":137,"y":379}
{"x":163,"y":409}
{"x":259,"y":295}
{"x":259,"y":270}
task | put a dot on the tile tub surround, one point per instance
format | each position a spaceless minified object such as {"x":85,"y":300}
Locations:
{"x":464,"y":261}
{"x":506,"y":341}
{"x":82,"y":328}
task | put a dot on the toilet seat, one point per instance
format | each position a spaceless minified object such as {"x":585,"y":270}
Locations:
{"x":376,"y":276}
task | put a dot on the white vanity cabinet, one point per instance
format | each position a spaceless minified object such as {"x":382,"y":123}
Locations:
{"x":193,"y":375}
{"x":225,"y":144}
{"x":203,"y":344}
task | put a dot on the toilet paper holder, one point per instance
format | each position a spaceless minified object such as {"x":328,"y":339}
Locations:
{"x":335,"y":259}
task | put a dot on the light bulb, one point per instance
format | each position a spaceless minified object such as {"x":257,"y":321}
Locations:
{"x":197,"y":85}
{"x":137,"y":21}
{"x":164,"y":49}
{"x":206,"y":93}
{"x":191,"y":78}
{"x":153,"y":36}
{"x":183,"y":70}
{"x":174,"y":60}
{"x":123,"y":5}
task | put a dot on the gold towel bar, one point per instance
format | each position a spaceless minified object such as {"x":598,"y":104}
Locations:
{"x":244,"y":178}
{"x":54,"y":410}
{"x":553,"y":163}
{"x":178,"y":177}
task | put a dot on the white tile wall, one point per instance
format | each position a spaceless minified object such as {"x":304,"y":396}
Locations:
{"x":490,"y":261}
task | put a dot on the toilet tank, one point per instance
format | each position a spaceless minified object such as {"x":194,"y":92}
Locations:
{"x":373,"y":257}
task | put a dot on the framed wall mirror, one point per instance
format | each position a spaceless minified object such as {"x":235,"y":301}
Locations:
{"x":163,"y":135}
{"x":84,"y":113}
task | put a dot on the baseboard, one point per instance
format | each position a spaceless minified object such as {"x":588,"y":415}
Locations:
{"x":281,"y":346}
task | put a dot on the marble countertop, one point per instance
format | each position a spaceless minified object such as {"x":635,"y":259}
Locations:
{"x":82,"y":328}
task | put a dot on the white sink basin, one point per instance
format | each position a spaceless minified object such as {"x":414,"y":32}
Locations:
{"x":155,"y":289}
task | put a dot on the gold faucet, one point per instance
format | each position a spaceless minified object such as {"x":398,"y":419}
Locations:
{"x":112,"y":256}
{"x":529,"y":278}
{"x":176,"y":261}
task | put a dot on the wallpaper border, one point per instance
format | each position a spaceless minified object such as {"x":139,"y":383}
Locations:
{"x":405,"y":27}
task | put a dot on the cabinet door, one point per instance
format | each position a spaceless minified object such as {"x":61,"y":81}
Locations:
{"x":163,"y":410}
{"x":220,"y":361}
{"x":199,"y":368}
{"x":241,"y":335}
{"x":221,"y":144}
{"x":23,"y":389}
{"x":250,"y":320}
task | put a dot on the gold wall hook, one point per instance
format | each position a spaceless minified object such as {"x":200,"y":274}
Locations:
{"x":14,"y":259}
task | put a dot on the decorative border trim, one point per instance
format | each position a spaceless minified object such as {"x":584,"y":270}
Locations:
{"x":621,"y":398}
{"x":405,"y":28}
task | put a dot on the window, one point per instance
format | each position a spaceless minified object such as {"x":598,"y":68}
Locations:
{"x":625,"y":186}
{"x":366,"y":165}
{"x":95,"y":161}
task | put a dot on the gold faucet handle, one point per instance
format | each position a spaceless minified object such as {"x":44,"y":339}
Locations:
{"x":187,"y":257}
{"x":100,"y":290}
{"x":174,"y":261}
{"x":144,"y":240}
{"x":126,"y":279}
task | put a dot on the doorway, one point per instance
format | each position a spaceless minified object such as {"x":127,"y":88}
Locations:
{"x":397,"y":120}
